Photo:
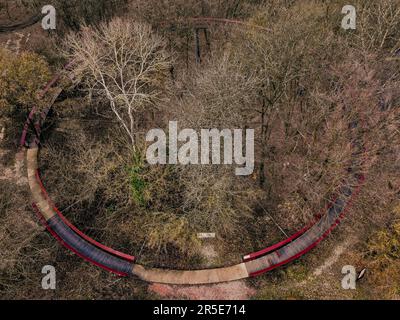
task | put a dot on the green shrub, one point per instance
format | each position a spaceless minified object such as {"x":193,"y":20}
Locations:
{"x":383,"y":258}
{"x":138,"y":185}
{"x":21,"y":78}
{"x":384,"y":245}
{"x":169,"y":229}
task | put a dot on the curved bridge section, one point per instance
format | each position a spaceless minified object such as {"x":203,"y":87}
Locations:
{"x":313,"y":236}
{"x":84,"y":247}
{"x":21,"y":25}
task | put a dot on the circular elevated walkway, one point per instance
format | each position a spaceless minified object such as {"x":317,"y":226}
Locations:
{"x":122,"y":264}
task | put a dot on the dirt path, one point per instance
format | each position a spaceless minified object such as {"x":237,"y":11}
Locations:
{"x":339,"y":250}
{"x":17,"y":227}
{"x":237,"y":290}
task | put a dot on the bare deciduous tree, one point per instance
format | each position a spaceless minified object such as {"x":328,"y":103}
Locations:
{"x":124,"y":63}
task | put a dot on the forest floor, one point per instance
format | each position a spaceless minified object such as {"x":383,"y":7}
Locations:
{"x":316,"y":276}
